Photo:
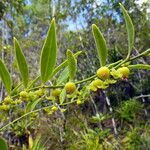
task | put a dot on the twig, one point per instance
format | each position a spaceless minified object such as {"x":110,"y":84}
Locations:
{"x":111,"y":111}
{"x":34,"y":111}
{"x":141,"y":96}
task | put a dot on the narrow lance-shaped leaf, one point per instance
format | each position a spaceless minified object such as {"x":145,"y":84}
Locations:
{"x":31,"y":105}
{"x":5,"y":77}
{"x":130,"y":29}
{"x":48,"y":54}
{"x":64,"y":64}
{"x":100,"y":45}
{"x":64,"y":75}
{"x":62,"y":96}
{"x":56,"y":70}
{"x":16,"y":88}
{"x":72,"y":64}
{"x":139,"y":66}
{"x":34,"y":81}
{"x":22,"y":63}
{"x":3,"y":144}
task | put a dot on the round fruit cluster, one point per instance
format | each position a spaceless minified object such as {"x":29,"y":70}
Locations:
{"x":104,"y":72}
{"x":105,"y":76}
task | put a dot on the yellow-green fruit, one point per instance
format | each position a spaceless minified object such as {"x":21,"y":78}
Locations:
{"x":32,"y":96}
{"x":70,"y":87}
{"x":54,"y":108}
{"x":39,"y":92}
{"x":124,"y":72}
{"x":23,"y":94}
{"x":8,"y":100}
{"x":18,"y":101}
{"x":79,"y":102}
{"x":103,"y":73}
{"x":97,"y":82}
{"x":4,"y":107}
{"x":56,"y":92}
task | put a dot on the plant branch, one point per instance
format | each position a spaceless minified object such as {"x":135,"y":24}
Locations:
{"x":34,"y":111}
{"x":94,"y":76}
{"x":141,"y":96}
{"x":133,"y":58}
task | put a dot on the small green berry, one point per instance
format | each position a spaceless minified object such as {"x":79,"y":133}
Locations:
{"x":4,"y":107}
{"x":39,"y":92}
{"x":32,"y":96}
{"x":56,"y":92}
{"x":8,"y":100}
{"x":23,"y":94}
{"x":103,"y":73}
{"x":54,"y":108}
{"x":79,"y":102}
{"x":97,"y":82}
{"x":70,"y":87}
{"x":18,"y":101}
{"x":124,"y":71}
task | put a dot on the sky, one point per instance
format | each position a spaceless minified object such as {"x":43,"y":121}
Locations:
{"x":77,"y":25}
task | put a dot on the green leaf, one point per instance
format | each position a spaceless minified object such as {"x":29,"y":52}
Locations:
{"x":63,"y":76}
{"x":100,"y":45}
{"x":3,"y":144}
{"x":30,"y":142}
{"x":139,"y":66}
{"x":130,"y":29}
{"x":16,"y":88}
{"x":22,"y":63}
{"x":34,"y":81}
{"x":65,"y":63}
{"x":56,"y":70}
{"x":5,"y":77}
{"x":31,"y":105}
{"x":62,"y":96}
{"x":48,"y":54}
{"x":72,"y":64}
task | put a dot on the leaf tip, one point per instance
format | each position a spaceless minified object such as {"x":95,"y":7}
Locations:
{"x":53,"y":21}
{"x":14,"y":39}
{"x":68,"y":51}
{"x":94,"y":26}
{"x":120,"y":4}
